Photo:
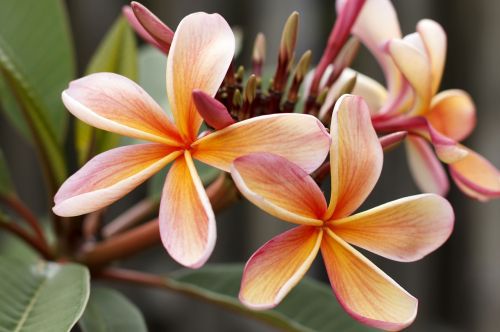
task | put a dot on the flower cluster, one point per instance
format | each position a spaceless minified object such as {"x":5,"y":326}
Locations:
{"x":270,"y":150}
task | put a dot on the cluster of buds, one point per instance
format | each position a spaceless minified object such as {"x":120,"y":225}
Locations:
{"x":238,"y":99}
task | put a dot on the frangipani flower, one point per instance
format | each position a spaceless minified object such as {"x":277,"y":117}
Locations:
{"x":413,"y":67}
{"x":201,"y":51}
{"x":403,"y":230}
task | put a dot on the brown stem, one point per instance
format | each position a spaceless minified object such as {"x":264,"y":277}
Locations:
{"x":92,"y":223}
{"x":130,"y":217}
{"x":24,"y":212}
{"x":21,"y":233}
{"x":123,"y":245}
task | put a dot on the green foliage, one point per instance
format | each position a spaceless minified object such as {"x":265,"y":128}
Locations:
{"x":310,"y":306}
{"x":41,"y":296}
{"x":117,"y":53}
{"x":110,"y":311}
{"x":36,"y":63}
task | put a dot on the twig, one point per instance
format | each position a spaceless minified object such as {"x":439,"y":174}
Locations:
{"x":130,"y":217}
{"x":21,"y":233}
{"x":123,"y":245}
{"x":24,"y":212}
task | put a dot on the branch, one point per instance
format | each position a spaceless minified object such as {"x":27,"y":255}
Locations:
{"x":130,"y":217}
{"x":24,"y":212}
{"x":21,"y":233}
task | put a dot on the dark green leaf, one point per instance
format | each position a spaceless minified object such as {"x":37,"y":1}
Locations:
{"x":41,"y":296}
{"x":116,"y":53}
{"x":36,"y":47}
{"x":310,"y":306}
{"x":36,"y":63}
{"x":110,"y":311}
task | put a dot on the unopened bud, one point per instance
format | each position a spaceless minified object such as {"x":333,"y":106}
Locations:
{"x":250,"y":89}
{"x":259,"y":49}
{"x":289,"y":37}
{"x":239,"y":74}
{"x":237,"y":98}
{"x":303,"y":66}
{"x":160,"y":32}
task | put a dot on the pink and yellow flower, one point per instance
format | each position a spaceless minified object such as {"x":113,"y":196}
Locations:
{"x":403,"y":230}
{"x":201,"y":51}
{"x":413,"y":68}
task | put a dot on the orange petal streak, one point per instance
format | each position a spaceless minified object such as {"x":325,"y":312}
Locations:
{"x":187,"y":221}
{"x":201,"y":51}
{"x":365,"y":291}
{"x":404,"y":230}
{"x":356,"y":156}
{"x":300,"y":138}
{"x":278,"y":266}
{"x":114,"y":103}
{"x":110,"y":176}
{"x":279,"y":187}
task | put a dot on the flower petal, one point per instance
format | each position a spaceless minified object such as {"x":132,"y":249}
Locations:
{"x":372,"y":92}
{"x":476,"y":177}
{"x":114,"y":103}
{"x":427,"y":171}
{"x":278,"y":266}
{"x":199,"y":57}
{"x":376,"y":25}
{"x":279,"y":187}
{"x":187,"y":221}
{"x":211,"y":110}
{"x":416,"y":69}
{"x":356,"y":156}
{"x":110,"y":176}
{"x":434,"y":40}
{"x":300,"y":138}
{"x":153,"y":26}
{"x":404,"y":230}
{"x":453,"y":114}
{"x":365,"y":291}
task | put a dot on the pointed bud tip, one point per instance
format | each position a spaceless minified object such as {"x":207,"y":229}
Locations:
{"x":211,"y":110}
{"x":289,"y":36}
{"x":259,"y":48}
{"x":251,"y":88}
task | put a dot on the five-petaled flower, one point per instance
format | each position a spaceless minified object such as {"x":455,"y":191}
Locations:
{"x":200,"y":54}
{"x":403,"y":230}
{"x":413,"y":67}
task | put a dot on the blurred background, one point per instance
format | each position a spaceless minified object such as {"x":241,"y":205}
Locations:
{"x":458,"y":287}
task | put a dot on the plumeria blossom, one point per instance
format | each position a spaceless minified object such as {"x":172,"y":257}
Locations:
{"x":413,"y":66}
{"x":201,"y":51}
{"x":403,"y":230}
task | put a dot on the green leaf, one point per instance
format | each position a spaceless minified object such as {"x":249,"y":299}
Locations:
{"x":109,"y":311}
{"x":116,"y":53}
{"x":5,"y":183}
{"x":41,"y":296}
{"x":310,"y":306}
{"x":152,"y":75}
{"x":36,"y":63}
